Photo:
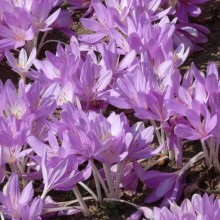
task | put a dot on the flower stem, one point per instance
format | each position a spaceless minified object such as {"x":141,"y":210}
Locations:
{"x":207,"y":159}
{"x":82,"y":203}
{"x":88,"y":190}
{"x":2,"y":216}
{"x":120,"y":169}
{"x":97,"y":183}
{"x":122,"y":201}
{"x":156,"y":131}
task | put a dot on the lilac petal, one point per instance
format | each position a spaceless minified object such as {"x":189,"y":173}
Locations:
{"x":100,"y":10}
{"x":120,"y":102}
{"x":188,"y":216}
{"x":185,"y":96}
{"x":92,"y":38}
{"x":36,"y":207}
{"x":24,"y":153}
{"x":6,"y":32}
{"x":197,"y":74}
{"x":135,"y":41}
{"x":182,"y":13}
{"x":145,"y":114}
{"x":31,"y":57}
{"x":165,"y":68}
{"x":212,"y":69}
{"x":50,"y":20}
{"x":200,"y":93}
{"x":176,"y":107}
{"x":44,"y":169}
{"x":3,"y":199}
{"x":186,"y":132}
{"x":166,"y":214}
{"x":164,"y":187}
{"x":38,"y":146}
{"x":152,"y":197}
{"x":90,"y":24}
{"x":13,"y":189}
{"x":194,"y":10}
{"x":153,"y":5}
{"x":11,"y":59}
{"x":135,"y":216}
{"x":58,"y":172}
{"x":120,"y":40}
{"x":26,"y":194}
{"x":211,"y":124}
{"x":211,"y":83}
{"x":194,"y":117}
{"x":8,"y":44}
{"x":22,"y":58}
{"x":151,"y":178}
{"x":127,"y":60}
{"x":103,"y":81}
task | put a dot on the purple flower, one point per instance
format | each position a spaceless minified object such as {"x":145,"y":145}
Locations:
{"x":152,"y":106}
{"x":15,"y":30}
{"x":109,"y":137}
{"x":124,"y":92}
{"x":138,"y":142}
{"x":198,"y":128}
{"x":91,"y":87}
{"x":62,"y":173}
{"x":191,"y":35}
{"x":17,"y":204}
{"x":101,"y":26}
{"x":185,"y":7}
{"x":41,"y":20}
{"x":200,"y":207}
{"x":170,"y":186}
{"x":23,"y":63}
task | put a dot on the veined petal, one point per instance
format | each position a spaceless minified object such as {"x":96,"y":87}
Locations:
{"x":184,"y":131}
{"x":91,"y":24}
{"x":52,"y":17}
{"x":92,"y":38}
{"x":26,"y":194}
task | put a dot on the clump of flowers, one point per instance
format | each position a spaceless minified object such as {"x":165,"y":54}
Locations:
{"x":58,"y":127}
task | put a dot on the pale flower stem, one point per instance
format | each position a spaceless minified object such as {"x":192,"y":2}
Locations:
{"x":2,"y":216}
{"x":97,"y":183}
{"x":207,"y":159}
{"x":44,"y":194}
{"x":171,"y":155}
{"x":76,"y":200}
{"x":42,"y":41}
{"x":122,"y":201}
{"x":120,"y":169}
{"x":50,"y":41}
{"x":211,"y":151}
{"x":23,"y":77}
{"x":21,"y":169}
{"x":163,"y":141}
{"x":154,"y":163}
{"x":82,"y":203}
{"x":88,"y":190}
{"x":108,"y":175}
{"x":191,"y":162}
{"x":216,"y":160}
{"x":101,"y":181}
{"x":49,"y":210}
{"x":156,"y":131}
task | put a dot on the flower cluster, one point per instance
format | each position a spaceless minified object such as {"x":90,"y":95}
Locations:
{"x":199,"y":207}
{"x":57,"y":127}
